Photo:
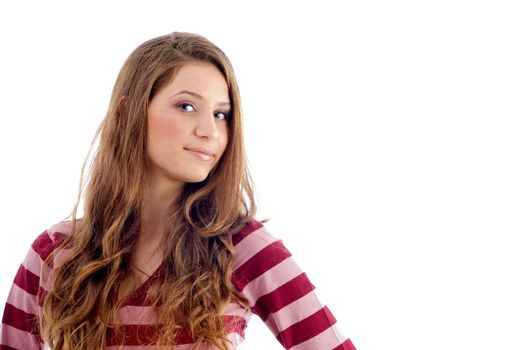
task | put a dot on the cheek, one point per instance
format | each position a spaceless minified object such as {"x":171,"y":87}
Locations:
{"x":163,"y":134}
{"x":164,"y":126}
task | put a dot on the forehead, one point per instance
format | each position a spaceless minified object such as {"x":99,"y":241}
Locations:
{"x":201,"y":77}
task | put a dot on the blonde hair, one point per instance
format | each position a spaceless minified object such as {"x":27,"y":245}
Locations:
{"x":198,"y":257}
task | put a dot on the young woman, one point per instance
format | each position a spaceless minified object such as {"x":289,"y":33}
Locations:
{"x":167,"y":252}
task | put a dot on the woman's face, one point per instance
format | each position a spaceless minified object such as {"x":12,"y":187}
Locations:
{"x":189,"y":114}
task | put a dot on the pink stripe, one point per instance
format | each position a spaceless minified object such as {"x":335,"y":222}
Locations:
{"x":260,"y":263}
{"x":60,"y":257}
{"x":22,"y":300}
{"x":142,"y":315}
{"x":235,"y":309}
{"x":251,"y":245}
{"x":136,"y":315}
{"x":63,"y":227}
{"x":272,"y":279}
{"x":33,"y":263}
{"x":282,"y":296}
{"x":294,"y":313}
{"x":307,"y":328}
{"x":247,"y":230}
{"x":12,"y":338}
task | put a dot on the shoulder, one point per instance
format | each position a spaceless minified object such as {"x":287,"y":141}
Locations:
{"x":254,"y":239}
{"x":258,"y":253}
{"x":46,"y":243}
{"x":50,"y":238}
{"x":252,"y":228}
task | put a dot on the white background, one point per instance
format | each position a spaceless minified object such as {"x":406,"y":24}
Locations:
{"x":386,"y":139}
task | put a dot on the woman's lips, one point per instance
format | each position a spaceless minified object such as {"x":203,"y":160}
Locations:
{"x":200,"y":155}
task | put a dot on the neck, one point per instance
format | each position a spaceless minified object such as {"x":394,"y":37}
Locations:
{"x":158,"y":196}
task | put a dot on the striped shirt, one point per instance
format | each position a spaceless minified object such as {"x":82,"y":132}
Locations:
{"x":278,"y":291}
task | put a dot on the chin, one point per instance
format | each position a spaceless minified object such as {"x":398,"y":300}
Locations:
{"x":197,"y":179}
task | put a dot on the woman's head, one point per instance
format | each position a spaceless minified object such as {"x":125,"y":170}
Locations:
{"x":136,"y":134}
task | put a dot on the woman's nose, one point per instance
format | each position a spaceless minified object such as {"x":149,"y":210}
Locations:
{"x":207,"y":125}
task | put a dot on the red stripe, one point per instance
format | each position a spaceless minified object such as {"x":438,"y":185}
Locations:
{"x":20,"y":319}
{"x":306,"y":328}
{"x":247,"y":230}
{"x":235,"y":324}
{"x":140,"y":296}
{"x":145,"y":334}
{"x":44,"y":245}
{"x":283,"y":296}
{"x":5,"y":347}
{"x":346,"y":345}
{"x":260,"y":263}
{"x":27,"y":280}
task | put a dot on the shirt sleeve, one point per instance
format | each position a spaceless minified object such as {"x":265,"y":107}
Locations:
{"x":20,"y":327}
{"x":281,"y":294}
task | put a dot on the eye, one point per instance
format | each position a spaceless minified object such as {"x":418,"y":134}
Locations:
{"x":185,"y":107}
{"x":222,"y":115}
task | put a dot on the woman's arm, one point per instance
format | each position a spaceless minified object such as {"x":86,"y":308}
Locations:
{"x":281,"y":294}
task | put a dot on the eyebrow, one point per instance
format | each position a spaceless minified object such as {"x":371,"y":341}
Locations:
{"x":195,"y":94}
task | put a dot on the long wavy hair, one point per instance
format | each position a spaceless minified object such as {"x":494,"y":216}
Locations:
{"x":196,"y":286}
